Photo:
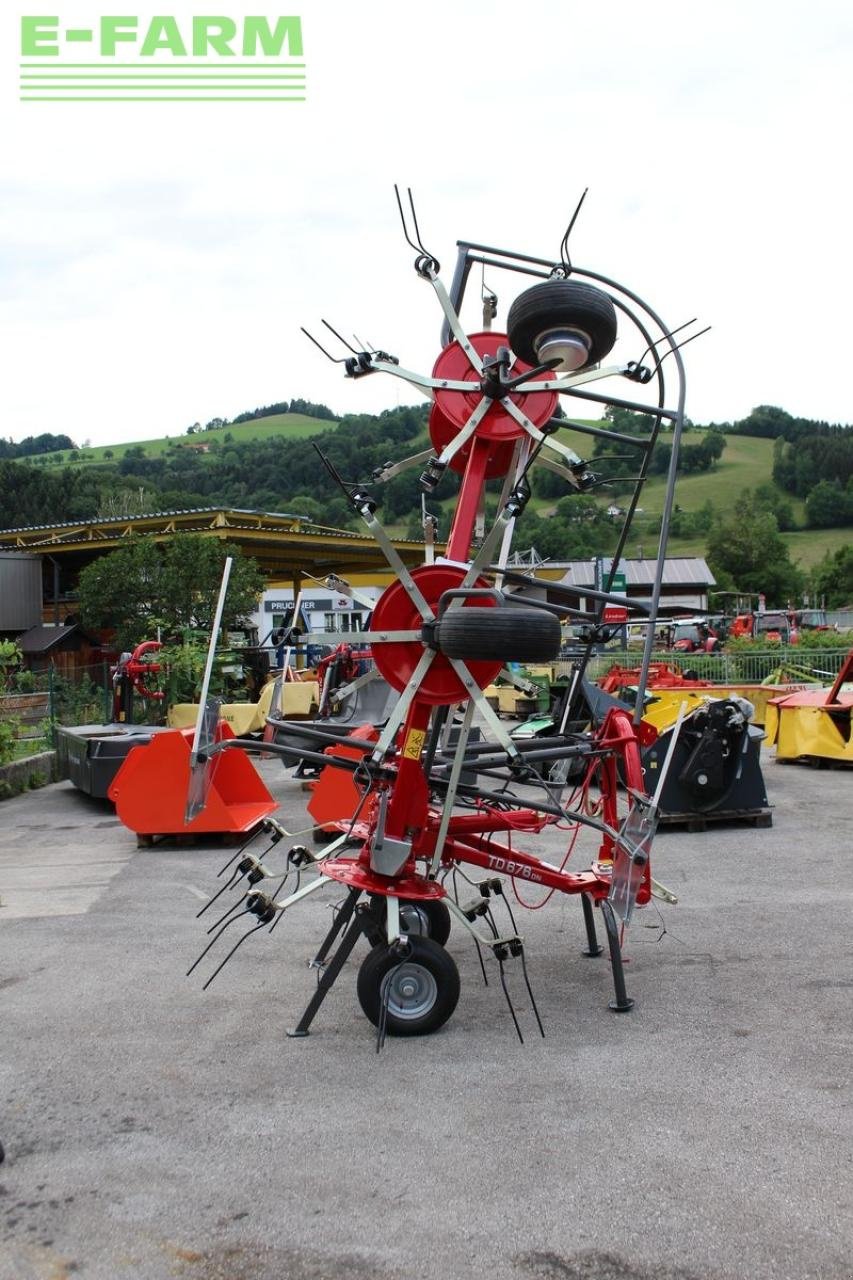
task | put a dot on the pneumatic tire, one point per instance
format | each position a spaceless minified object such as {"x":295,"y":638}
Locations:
{"x":503,"y":635}
{"x":421,"y":987}
{"x":557,"y":304}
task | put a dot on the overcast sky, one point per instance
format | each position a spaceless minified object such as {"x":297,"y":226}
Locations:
{"x":157,"y":260}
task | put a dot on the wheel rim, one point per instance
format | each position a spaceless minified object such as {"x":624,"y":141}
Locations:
{"x":410,"y":991}
{"x":414,"y":919}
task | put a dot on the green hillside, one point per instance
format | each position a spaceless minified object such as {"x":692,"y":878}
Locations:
{"x":292,"y":426}
{"x":210,"y":467}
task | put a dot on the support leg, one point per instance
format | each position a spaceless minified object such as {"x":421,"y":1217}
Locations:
{"x":329,"y":975}
{"x":593,"y":946}
{"x":622,"y":1002}
{"x":340,"y":921}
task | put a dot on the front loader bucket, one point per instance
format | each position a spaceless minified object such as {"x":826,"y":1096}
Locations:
{"x":150,"y":789}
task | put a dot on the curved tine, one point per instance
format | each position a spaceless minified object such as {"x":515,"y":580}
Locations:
{"x":510,"y":913}
{"x":230,"y":862}
{"x":220,"y":967}
{"x":679,"y":345}
{"x":231,"y":909}
{"x":339,"y":337}
{"x":533,"y":1004}
{"x":509,"y":1002}
{"x":421,"y":244}
{"x":564,"y":243}
{"x":214,"y":940}
{"x":334,"y":359}
{"x":238,"y":854}
{"x":229,"y":884}
{"x":417,"y":248}
{"x":382,"y":1025}
{"x":279,"y":915}
{"x":651,"y":346}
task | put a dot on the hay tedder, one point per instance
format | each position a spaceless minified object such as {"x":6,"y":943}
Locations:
{"x":426,"y":800}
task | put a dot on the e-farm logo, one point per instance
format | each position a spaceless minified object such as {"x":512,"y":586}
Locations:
{"x":205,"y":58}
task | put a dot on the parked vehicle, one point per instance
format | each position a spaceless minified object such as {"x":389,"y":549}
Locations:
{"x":771,"y":624}
{"x":695,"y":635}
{"x":810,"y":620}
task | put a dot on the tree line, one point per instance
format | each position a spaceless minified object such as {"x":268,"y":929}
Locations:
{"x":31,"y":446}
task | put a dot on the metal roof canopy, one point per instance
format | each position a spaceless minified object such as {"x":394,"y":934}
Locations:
{"x":678,"y":571}
{"x":286,"y":546}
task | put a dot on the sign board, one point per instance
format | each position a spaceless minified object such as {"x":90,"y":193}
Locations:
{"x":618,"y":584}
{"x":615,"y":613}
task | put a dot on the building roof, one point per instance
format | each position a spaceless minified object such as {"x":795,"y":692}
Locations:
{"x":40,"y":639}
{"x":678,"y":571}
{"x":284,"y":544}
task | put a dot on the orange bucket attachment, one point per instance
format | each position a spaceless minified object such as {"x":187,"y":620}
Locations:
{"x":151,"y":787}
{"x":335,"y":797}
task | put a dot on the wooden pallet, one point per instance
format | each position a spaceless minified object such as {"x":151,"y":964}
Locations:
{"x":701,"y":821}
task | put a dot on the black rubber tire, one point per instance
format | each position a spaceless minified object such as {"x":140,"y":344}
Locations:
{"x":558,"y":304}
{"x":428,"y":969}
{"x":426,"y":918}
{"x":505,"y":635}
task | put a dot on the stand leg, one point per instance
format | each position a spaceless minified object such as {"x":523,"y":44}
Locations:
{"x":328,"y":976}
{"x":340,"y":920}
{"x":622,"y":1003}
{"x":593,"y":946}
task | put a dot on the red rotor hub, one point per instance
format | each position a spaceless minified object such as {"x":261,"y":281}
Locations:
{"x":396,"y":660}
{"x":452,"y":409}
{"x":352,"y":872}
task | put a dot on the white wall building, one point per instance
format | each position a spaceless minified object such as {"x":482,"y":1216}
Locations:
{"x":322,"y":610}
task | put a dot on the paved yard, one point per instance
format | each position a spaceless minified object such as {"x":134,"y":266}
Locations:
{"x":153,"y":1130}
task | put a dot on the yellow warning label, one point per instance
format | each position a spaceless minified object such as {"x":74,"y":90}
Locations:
{"x":414,"y":744}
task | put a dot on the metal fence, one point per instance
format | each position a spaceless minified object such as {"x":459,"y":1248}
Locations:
{"x":788,"y":664}
{"x":42,"y":697}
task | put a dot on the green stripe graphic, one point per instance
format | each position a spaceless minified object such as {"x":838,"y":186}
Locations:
{"x":189,"y":81}
{"x":200,"y":64}
{"x":79,"y":98}
{"x":168,"y":75}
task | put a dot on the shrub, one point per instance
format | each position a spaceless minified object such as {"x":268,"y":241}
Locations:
{"x":8,"y":738}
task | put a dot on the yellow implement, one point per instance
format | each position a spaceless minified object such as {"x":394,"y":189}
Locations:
{"x":664,"y":709}
{"x":300,"y":701}
{"x":814,"y":723}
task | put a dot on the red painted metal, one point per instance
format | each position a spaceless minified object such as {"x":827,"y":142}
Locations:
{"x":661,"y":676}
{"x":442,"y":431}
{"x":456,"y":407}
{"x":470,"y":837}
{"x":358,"y":876}
{"x":396,"y":661}
{"x":473,"y":484}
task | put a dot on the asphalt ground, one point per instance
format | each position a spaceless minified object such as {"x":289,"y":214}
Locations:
{"x":153,"y":1130}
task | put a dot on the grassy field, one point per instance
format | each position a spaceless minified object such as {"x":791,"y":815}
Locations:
{"x":746,"y":463}
{"x":295,"y":426}
{"x":807,"y":546}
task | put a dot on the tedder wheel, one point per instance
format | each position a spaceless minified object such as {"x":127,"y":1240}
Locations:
{"x":562,"y":304}
{"x":427,"y":918}
{"x":421,"y":987}
{"x":506,"y":635}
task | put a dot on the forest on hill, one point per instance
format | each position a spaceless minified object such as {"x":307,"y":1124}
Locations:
{"x":810,"y":483}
